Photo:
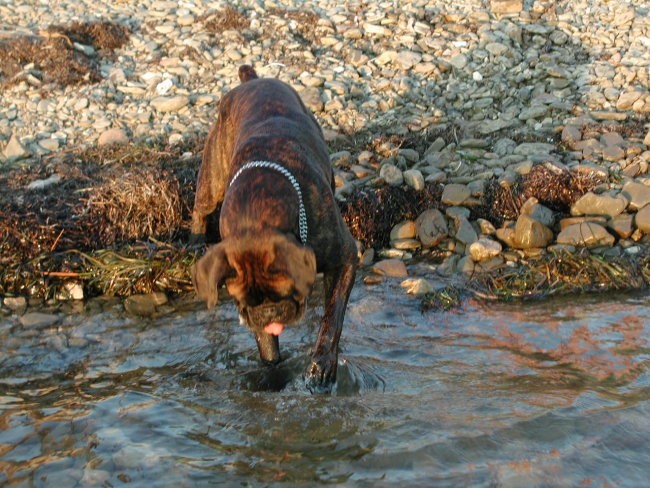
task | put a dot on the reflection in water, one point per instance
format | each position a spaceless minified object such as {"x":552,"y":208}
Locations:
{"x":552,"y":393}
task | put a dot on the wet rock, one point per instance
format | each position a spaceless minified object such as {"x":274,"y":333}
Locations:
{"x":38,"y":320}
{"x":113,"y":136}
{"x":484,"y":249}
{"x":593,"y":204}
{"x":390,"y":267}
{"x":417,"y":286}
{"x":448,"y":266}
{"x":431,"y":227}
{"x":144,"y":305}
{"x":530,"y":233}
{"x":638,"y":194}
{"x":586,"y":234}
{"x":455,"y":194}
{"x":642,"y":220}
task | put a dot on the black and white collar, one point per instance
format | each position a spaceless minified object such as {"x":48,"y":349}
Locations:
{"x":302,"y":214}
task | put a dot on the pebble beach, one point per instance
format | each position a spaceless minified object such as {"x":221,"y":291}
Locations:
{"x":513,"y":84}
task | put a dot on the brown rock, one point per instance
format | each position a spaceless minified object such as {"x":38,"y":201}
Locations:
{"x":642,"y":220}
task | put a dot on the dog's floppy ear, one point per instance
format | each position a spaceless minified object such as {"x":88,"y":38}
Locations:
{"x":300,"y":262}
{"x":209,"y":273}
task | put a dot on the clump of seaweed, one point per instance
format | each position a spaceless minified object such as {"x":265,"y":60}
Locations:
{"x":135,"y":204}
{"x":141,"y":267}
{"x":371,"y":213}
{"x":555,"y":188}
{"x":563,"y":272}
{"x":53,"y":54}
{"x":443,"y":299}
{"x":229,"y":18}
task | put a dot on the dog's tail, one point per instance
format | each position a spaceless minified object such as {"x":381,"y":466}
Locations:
{"x":246,"y":73}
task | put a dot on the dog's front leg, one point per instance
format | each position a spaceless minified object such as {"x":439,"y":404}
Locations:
{"x":321,"y":373}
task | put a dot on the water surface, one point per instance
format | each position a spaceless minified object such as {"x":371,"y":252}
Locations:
{"x":548,"y":393}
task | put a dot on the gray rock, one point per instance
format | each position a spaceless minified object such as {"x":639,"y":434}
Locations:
{"x":414,"y":179}
{"x":391,"y":174}
{"x":459,"y":61}
{"x":530,"y":233}
{"x":539,"y":212}
{"x":15,"y":151}
{"x":571,"y":135}
{"x":534,"y":148}
{"x":593,"y":204}
{"x":464,"y":231}
{"x":534,"y":112}
{"x":37,"y":185}
{"x":431,"y":227}
{"x":170,"y":104}
{"x":38,"y":320}
{"x":637,"y":194}
{"x":408,"y":59}
{"x":586,"y":234}
{"x":613,"y":153}
{"x":455,"y":194}
{"x":144,"y":305}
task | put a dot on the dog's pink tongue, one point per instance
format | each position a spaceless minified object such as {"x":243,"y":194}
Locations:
{"x":274,"y":328}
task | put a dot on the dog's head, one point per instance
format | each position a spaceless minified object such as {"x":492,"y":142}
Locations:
{"x":269,"y":276}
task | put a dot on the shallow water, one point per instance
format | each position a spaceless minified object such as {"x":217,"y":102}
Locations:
{"x":550,"y":393}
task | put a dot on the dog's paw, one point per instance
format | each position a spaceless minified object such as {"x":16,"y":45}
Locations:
{"x":321,"y":374}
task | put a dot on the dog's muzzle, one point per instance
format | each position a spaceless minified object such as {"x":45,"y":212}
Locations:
{"x":283,"y":311}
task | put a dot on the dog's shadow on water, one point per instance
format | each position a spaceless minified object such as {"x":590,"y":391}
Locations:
{"x":288,"y":376}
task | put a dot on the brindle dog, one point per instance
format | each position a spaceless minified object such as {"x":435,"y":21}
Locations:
{"x":266,"y":160}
